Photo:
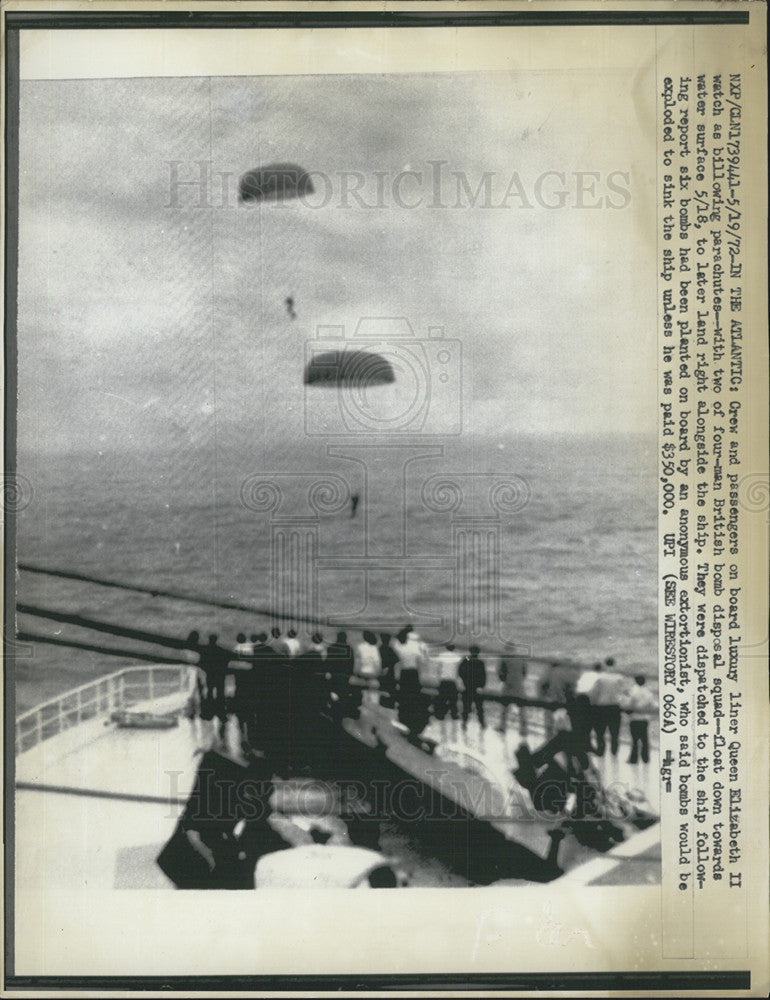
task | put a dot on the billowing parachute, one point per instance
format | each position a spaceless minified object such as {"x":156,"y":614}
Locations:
{"x":348,"y":368}
{"x":274,"y":182}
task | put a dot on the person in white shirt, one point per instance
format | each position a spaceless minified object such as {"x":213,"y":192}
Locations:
{"x":411,"y":651}
{"x":446,"y":664}
{"x":560,"y":720}
{"x":242,"y":646}
{"x":512,"y":671}
{"x":277,"y":642}
{"x":641,"y":706}
{"x":606,"y":694}
{"x":585,"y":682}
{"x":366,"y":657}
{"x":412,"y":659}
{"x":316,"y":647}
{"x":292,"y":644}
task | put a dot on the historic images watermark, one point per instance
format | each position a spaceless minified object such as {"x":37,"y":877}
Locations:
{"x":407,"y":800}
{"x":436,"y":184}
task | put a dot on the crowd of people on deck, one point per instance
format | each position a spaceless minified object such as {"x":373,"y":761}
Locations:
{"x":608,"y":696}
{"x":274,"y":685}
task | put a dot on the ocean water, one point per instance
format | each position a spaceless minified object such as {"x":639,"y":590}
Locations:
{"x":567,"y":565}
{"x":160,"y":372}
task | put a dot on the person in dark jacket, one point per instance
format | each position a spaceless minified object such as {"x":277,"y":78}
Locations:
{"x":339,"y":667}
{"x":270,"y":692}
{"x":572,"y":740}
{"x":196,"y":681}
{"x":308,"y":685}
{"x":388,"y":659}
{"x":224,"y":828}
{"x":473,"y":675}
{"x":447,"y":664}
{"x":213,"y":662}
{"x":243,"y":697}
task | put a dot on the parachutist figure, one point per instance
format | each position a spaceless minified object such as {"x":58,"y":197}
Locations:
{"x":290,"y":307}
{"x":354,"y":504}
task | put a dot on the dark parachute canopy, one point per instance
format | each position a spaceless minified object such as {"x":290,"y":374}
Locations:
{"x":274,"y":182}
{"x":348,"y":368}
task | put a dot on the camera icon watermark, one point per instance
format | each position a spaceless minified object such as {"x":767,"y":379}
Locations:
{"x":383,"y":379}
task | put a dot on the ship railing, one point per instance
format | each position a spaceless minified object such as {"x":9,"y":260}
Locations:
{"x":532,"y":716}
{"x":101,"y":697}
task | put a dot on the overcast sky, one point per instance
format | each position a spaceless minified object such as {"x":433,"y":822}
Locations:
{"x":148,"y":316}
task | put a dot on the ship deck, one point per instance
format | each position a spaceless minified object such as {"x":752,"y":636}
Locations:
{"x":95,"y":803}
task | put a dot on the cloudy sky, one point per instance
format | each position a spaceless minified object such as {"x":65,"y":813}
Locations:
{"x":150,"y":314}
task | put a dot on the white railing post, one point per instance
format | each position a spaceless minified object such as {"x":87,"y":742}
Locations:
{"x":104,"y":694}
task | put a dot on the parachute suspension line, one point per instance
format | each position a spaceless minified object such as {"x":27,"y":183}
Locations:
{"x":214,"y":352}
{"x":274,"y":182}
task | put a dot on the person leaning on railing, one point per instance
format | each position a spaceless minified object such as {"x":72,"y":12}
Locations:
{"x":640,"y":705}
{"x":195,"y":685}
{"x":413,"y":703}
{"x":366,"y":657}
{"x":388,"y":661}
{"x":243,"y":685}
{"x":447,"y":663}
{"x":367,"y":666}
{"x":521,"y":687}
{"x":213,"y":662}
{"x":606,"y":693}
{"x":571,"y":738}
{"x":339,"y":668}
{"x":473,"y":674}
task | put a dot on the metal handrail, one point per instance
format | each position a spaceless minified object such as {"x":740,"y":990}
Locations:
{"x":54,"y":716}
{"x":99,"y":680}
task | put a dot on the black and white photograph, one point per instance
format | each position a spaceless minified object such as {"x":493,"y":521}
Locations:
{"x":320,"y":495}
{"x":336,"y":483}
